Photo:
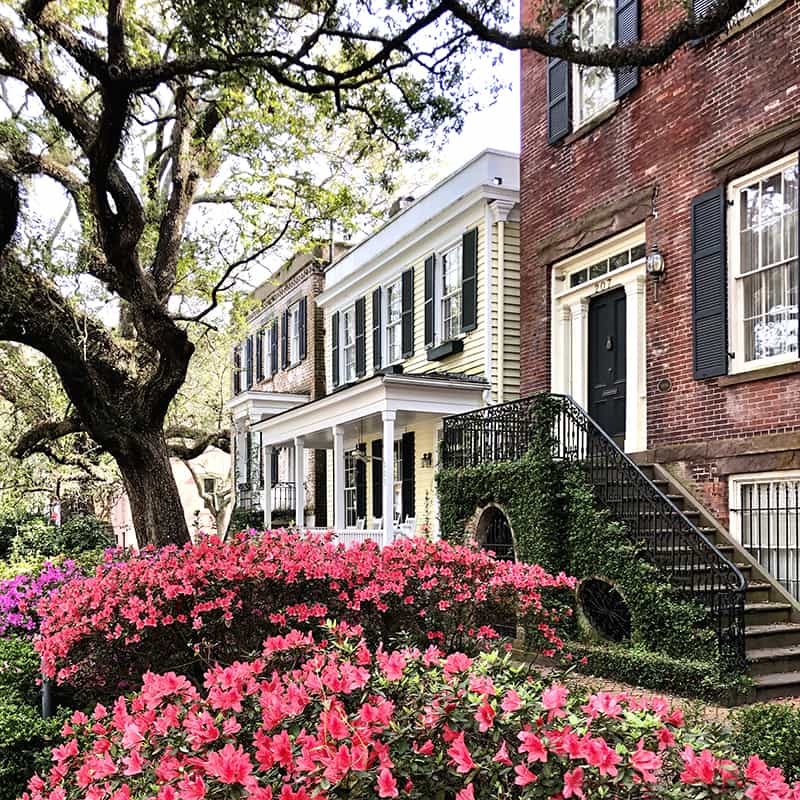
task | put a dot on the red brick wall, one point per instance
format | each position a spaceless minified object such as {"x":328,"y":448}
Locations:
{"x":681,"y":118}
{"x":308,"y":377}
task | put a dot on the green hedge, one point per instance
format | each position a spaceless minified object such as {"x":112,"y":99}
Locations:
{"x":772,"y":730}
{"x":557,"y":523}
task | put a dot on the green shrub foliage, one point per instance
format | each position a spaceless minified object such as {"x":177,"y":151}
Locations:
{"x":772,"y":730}
{"x":79,"y":535}
{"x":25,"y":738}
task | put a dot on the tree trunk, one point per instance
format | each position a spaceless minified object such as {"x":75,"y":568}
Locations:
{"x":156,"y":507}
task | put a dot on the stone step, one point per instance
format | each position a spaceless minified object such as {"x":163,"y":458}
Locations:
{"x":777,"y":684}
{"x":782,"y":634}
{"x":766,"y":613}
{"x":757,"y":592}
{"x":769,"y":660}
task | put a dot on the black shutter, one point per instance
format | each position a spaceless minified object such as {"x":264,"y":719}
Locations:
{"x":260,"y":355}
{"x":273,"y":346}
{"x":376,"y":328}
{"x":237,"y":370}
{"x":249,"y":361}
{"x":559,"y":123}
{"x":361,"y":337}
{"x":260,"y":460}
{"x":627,"y":29}
{"x":285,"y":339}
{"x":709,"y":285}
{"x":248,"y":457}
{"x":361,"y":483}
{"x":408,"y":453}
{"x":430,"y":302}
{"x":377,"y":479}
{"x":408,"y":314}
{"x":335,"y":349}
{"x":273,"y":466}
{"x":699,"y":7}
{"x":302,"y":327}
{"x":469,"y":280}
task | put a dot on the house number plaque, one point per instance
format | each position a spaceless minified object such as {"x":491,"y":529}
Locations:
{"x":601,"y":286}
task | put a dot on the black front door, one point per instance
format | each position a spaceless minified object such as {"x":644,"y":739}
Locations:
{"x":607,"y":362}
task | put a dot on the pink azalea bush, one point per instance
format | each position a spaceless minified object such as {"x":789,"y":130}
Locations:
{"x":320,"y":714}
{"x":190,"y":607}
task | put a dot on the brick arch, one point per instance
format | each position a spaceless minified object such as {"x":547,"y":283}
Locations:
{"x":477,"y":526}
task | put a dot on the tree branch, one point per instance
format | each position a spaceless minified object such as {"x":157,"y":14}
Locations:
{"x":49,"y":431}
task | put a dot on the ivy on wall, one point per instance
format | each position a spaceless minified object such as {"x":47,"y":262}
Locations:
{"x":557,"y":523}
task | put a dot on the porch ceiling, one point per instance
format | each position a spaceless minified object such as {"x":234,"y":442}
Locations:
{"x":358,"y":409}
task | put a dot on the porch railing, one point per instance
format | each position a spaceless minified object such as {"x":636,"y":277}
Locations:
{"x":250,"y":498}
{"x":350,"y":536}
{"x":679,"y":550}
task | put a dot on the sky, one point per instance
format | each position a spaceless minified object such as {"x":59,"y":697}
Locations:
{"x":496,"y":126}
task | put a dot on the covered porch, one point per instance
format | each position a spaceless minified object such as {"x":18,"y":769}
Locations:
{"x":376,"y":491}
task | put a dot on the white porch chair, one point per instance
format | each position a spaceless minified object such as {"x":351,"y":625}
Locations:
{"x":361,"y":523}
{"x":409,"y":527}
{"x":377,"y":524}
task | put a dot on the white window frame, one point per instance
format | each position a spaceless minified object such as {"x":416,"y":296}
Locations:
{"x":350,"y":491}
{"x":578,"y":71}
{"x":453,"y":295}
{"x":348,"y":349}
{"x":392,"y":327}
{"x":293,"y":319}
{"x":267,"y":354}
{"x":736,"y":336}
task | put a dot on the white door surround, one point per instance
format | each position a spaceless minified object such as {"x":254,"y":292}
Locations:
{"x":569,"y":327}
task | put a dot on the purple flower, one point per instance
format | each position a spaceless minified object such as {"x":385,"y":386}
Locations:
{"x":20,"y":595}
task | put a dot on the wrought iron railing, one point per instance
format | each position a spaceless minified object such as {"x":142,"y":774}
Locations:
{"x":283,"y":497}
{"x":680,"y":551}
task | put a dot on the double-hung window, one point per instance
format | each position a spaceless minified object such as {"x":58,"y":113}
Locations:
{"x":763,"y":245}
{"x":349,"y":344}
{"x":450,"y":294}
{"x":350,"y":492}
{"x":394,"y":312}
{"x":294,"y":333}
{"x":594,"y":25}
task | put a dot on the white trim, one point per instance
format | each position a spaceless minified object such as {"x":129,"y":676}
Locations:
{"x":254,"y":405}
{"x":735,"y":301}
{"x":344,"y":347}
{"x":488,"y":213}
{"x":569,"y":338}
{"x":462,"y":191}
{"x":374,"y":396}
{"x":455,"y":247}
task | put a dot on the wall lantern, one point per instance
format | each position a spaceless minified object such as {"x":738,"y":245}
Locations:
{"x":656,"y":268}
{"x":427,"y":460}
{"x":655,"y":264}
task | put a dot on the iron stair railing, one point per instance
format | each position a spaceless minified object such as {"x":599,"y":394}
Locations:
{"x":682,"y":553}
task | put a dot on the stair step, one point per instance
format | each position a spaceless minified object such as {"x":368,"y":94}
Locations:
{"x":766,"y":612}
{"x":771,"y":660}
{"x":777,"y":684}
{"x":767,"y":635}
{"x":755,"y":588}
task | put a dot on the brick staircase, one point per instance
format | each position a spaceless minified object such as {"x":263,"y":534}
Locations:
{"x":772,"y":616}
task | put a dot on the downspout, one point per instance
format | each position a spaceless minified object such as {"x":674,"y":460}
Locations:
{"x":487,"y":237}
{"x":501,"y":293}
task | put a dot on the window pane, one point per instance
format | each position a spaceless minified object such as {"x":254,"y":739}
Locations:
{"x":619,"y":260}
{"x":577,"y":278}
{"x":790,"y":213}
{"x":638,"y":252}
{"x":598,"y":269}
{"x":748,"y":222}
{"x":771,"y":216}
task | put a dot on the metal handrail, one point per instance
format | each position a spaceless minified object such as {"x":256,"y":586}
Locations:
{"x":681,"y":552}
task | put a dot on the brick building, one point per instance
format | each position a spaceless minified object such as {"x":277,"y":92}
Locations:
{"x":280,"y":365}
{"x":697,"y":371}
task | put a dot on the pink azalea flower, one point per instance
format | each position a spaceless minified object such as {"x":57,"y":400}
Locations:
{"x":387,"y":785}
{"x":485,"y":716}
{"x":460,"y":754}
{"x":229,"y":765}
{"x":645,"y":762}
{"x":573,"y":783}
{"x":511,"y":701}
{"x":467,"y":793}
{"x":533,"y":746}
{"x":501,"y":756}
{"x":524,"y":775}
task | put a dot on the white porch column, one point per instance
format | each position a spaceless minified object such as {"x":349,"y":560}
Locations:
{"x":388,"y":476}
{"x":635,"y":365}
{"x":338,"y":478}
{"x":580,"y":352}
{"x":267,"y":467}
{"x":299,"y":479}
